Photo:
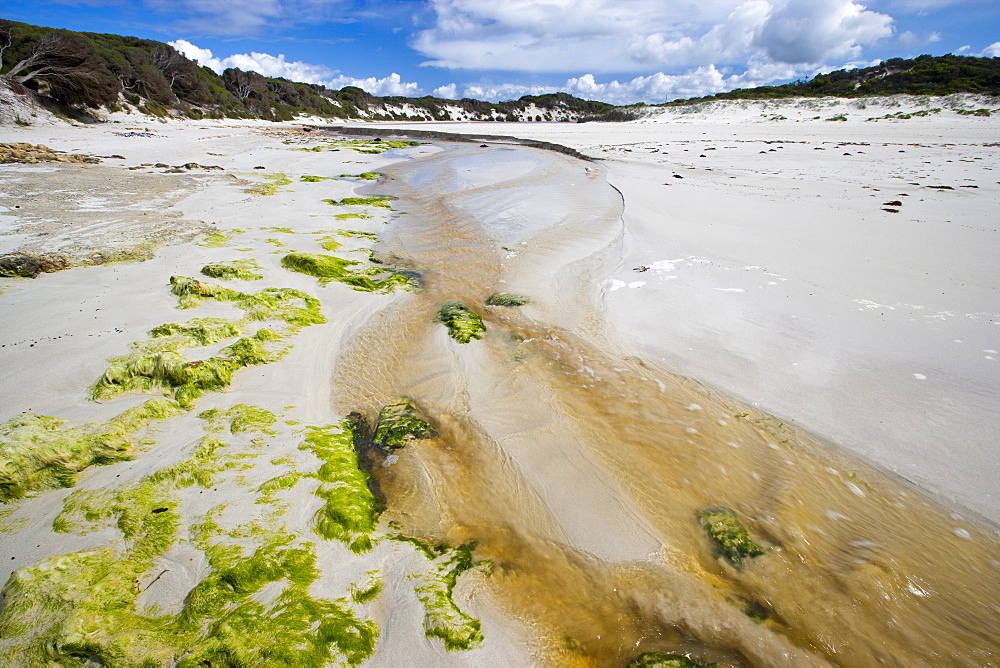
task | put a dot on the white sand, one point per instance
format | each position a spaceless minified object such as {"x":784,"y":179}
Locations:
{"x":775,"y":275}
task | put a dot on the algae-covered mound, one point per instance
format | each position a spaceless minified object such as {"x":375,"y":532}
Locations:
{"x":200,"y":331}
{"x":295,"y":308}
{"x":728,"y":535}
{"x":463,"y":324}
{"x":398,"y":424}
{"x":39,"y":452}
{"x":661,"y":660}
{"x":243,"y":270}
{"x":350,"y":509}
{"x":361,"y":201}
{"x":328,"y":268}
{"x":506,"y":299}
{"x":189,"y":378}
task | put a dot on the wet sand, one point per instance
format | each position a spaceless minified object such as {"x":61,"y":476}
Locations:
{"x":579,"y":469}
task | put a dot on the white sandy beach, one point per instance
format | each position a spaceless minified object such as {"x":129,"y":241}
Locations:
{"x":754,"y":256}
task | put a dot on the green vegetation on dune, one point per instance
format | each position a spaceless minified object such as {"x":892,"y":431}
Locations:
{"x":729,"y":537}
{"x":463,"y":325}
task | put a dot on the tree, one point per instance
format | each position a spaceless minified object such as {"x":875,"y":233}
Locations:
{"x":68,"y":67}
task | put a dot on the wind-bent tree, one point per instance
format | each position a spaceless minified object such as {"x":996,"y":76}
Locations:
{"x":66,"y":68}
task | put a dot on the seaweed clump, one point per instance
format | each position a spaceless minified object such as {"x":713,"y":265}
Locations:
{"x":328,"y":268}
{"x":463,"y":325}
{"x":39,"y":452}
{"x":728,"y":535}
{"x":293,"y":307}
{"x":350,"y":509}
{"x":443,"y":619}
{"x":506,"y":299}
{"x":398,"y":424}
{"x":661,"y":660}
{"x":189,"y":379}
{"x":361,"y":201}
{"x":243,"y":270}
{"x":200,"y":331}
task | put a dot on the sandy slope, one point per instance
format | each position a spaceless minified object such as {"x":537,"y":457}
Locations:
{"x":776,"y":275}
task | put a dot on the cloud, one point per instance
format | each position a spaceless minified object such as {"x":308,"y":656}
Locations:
{"x":992,"y":51}
{"x":448,"y":91}
{"x":606,"y":36}
{"x":653,"y":88}
{"x":296,"y":70}
{"x":909,"y":39}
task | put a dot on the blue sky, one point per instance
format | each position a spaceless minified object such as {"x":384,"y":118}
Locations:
{"x":620,"y":51}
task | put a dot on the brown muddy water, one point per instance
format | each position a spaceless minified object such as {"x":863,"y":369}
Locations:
{"x":579,"y":469}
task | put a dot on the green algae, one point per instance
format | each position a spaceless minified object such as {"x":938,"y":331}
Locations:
{"x":268,"y":490}
{"x":442,"y":617}
{"x":197,"y":332}
{"x":328,"y":268}
{"x":506,"y":299}
{"x":370,"y":591}
{"x":219,"y":238}
{"x":308,"y":178}
{"x":82,"y":607}
{"x":398,"y":424}
{"x":283,"y":230}
{"x":357,"y":234}
{"x":293,"y":307}
{"x":661,"y":660}
{"x":366,"y":176}
{"x":361,"y":201}
{"x":375,"y":147}
{"x":243,"y":270}
{"x":463,"y":325}
{"x":39,"y":452}
{"x":728,"y":535}
{"x":350,"y":510}
{"x":189,"y":379}
{"x":267,"y":189}
{"x":243,"y":417}
{"x":346,"y":216}
{"x":329,"y":243}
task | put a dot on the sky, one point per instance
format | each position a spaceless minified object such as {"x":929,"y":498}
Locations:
{"x":618,"y":51}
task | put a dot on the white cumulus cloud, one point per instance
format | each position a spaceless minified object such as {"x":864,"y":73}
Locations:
{"x":992,"y":51}
{"x":296,"y":70}
{"x":638,"y":35}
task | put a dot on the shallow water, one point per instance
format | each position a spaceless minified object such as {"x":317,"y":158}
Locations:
{"x":579,"y":468}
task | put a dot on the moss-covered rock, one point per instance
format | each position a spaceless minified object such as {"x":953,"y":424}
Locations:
{"x":463,"y":325}
{"x":728,"y":535}
{"x":398,"y":424}
{"x":506,"y":299}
